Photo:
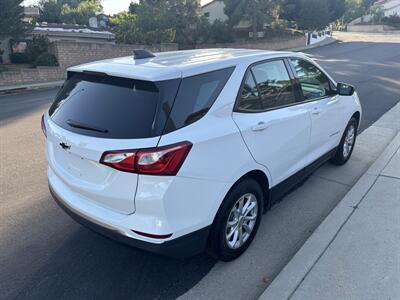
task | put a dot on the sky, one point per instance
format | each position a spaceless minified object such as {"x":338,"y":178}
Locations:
{"x":110,"y":6}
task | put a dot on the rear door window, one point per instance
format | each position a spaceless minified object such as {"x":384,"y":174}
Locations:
{"x":250,"y":100}
{"x":113,"y":107}
{"x":274,"y":84}
{"x":195,"y":97}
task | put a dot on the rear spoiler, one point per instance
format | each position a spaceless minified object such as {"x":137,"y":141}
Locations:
{"x":98,"y":74}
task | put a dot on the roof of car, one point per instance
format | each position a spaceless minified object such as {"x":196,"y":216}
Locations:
{"x":176,"y":64}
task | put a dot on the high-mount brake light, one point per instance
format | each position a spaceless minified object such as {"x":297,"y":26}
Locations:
{"x":164,"y":161}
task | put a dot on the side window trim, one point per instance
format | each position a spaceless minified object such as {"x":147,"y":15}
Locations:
{"x":298,"y":92}
{"x":258,"y":88}
{"x":249,"y":69}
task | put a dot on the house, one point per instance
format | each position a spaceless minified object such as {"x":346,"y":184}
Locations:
{"x":389,"y":7}
{"x":75,"y":33}
{"x":214,"y":10}
{"x":30,"y":13}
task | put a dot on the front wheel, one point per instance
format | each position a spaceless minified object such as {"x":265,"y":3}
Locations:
{"x":237,"y":221}
{"x":347,"y":143}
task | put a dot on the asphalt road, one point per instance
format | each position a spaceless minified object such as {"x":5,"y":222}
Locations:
{"x":46,"y":255}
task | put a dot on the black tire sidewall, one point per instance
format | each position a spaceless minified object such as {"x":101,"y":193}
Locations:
{"x":339,"y":158}
{"x":219,"y":247}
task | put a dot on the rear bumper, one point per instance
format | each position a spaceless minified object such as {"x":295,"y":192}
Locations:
{"x":181,"y":247}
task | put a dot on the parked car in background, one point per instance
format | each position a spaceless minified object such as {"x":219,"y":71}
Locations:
{"x":181,"y":152}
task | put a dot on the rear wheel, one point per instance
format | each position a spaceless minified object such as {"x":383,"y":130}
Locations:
{"x":347,"y":143}
{"x":237,"y":221}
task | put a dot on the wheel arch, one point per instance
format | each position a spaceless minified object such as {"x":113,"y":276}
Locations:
{"x":262,"y":179}
{"x":357,"y":116}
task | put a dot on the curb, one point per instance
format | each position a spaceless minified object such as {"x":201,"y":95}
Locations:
{"x":293,"y":274}
{"x":325,"y":42}
{"x":33,"y":86}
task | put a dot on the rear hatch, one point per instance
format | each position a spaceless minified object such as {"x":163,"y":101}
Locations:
{"x":94,"y":113}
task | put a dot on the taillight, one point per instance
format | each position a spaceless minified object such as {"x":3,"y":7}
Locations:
{"x":43,"y":126}
{"x":165,"y":160}
{"x":120,"y":160}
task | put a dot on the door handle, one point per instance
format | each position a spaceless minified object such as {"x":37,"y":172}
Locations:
{"x":316,"y":112}
{"x":260,"y":126}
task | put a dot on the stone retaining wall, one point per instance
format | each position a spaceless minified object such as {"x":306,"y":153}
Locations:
{"x":36,"y":75}
{"x":274,"y":44}
{"x":74,"y":53}
{"x":70,"y":54}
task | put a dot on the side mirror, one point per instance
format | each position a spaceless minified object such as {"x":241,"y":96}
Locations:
{"x":344,"y":89}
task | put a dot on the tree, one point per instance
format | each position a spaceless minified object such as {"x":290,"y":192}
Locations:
{"x":81,"y":13}
{"x":308,"y":14}
{"x":356,"y":8}
{"x":184,"y":16}
{"x":50,"y":10}
{"x":254,"y":11}
{"x":313,"y":14}
{"x":68,"y":11}
{"x":133,"y":7}
{"x":124,"y":26}
{"x":127,"y":31}
{"x":220,"y":32}
{"x":155,"y":21}
{"x":366,"y":4}
{"x":336,"y":9}
{"x":11,"y":24}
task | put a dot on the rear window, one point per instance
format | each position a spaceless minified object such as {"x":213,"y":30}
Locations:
{"x":195,"y":97}
{"x":113,"y":107}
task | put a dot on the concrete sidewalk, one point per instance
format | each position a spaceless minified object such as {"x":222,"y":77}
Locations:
{"x":29,"y":86}
{"x":355,"y":252}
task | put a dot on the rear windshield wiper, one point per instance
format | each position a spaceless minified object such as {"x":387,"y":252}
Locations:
{"x":80,"y":125}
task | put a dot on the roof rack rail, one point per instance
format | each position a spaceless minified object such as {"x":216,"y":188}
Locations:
{"x":142,"y":53}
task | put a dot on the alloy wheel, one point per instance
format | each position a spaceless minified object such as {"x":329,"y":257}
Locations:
{"x":348,"y":142}
{"x":241,"y":221}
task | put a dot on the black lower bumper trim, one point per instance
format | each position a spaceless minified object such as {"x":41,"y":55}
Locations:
{"x":182,"y":247}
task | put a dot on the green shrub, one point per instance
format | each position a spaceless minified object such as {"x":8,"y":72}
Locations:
{"x":46,"y":59}
{"x":39,"y":44}
{"x":20,"y":58}
{"x":392,"y":20}
{"x":221,"y":32}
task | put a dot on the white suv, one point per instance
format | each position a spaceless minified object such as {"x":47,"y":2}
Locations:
{"x":184,"y":151}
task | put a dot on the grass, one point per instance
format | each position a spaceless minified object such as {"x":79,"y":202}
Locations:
{"x":3,"y":68}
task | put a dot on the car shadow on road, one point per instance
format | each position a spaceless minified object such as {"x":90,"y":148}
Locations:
{"x":14,"y":107}
{"x":89,"y":266}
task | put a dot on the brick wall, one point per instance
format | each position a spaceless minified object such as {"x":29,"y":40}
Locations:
{"x":71,"y":53}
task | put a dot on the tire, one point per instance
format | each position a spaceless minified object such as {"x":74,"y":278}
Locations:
{"x":221,"y":243}
{"x":347,"y":143}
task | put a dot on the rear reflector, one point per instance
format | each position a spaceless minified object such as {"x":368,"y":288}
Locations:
{"x":154,"y":236}
{"x":43,"y":125}
{"x":165,"y":160}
